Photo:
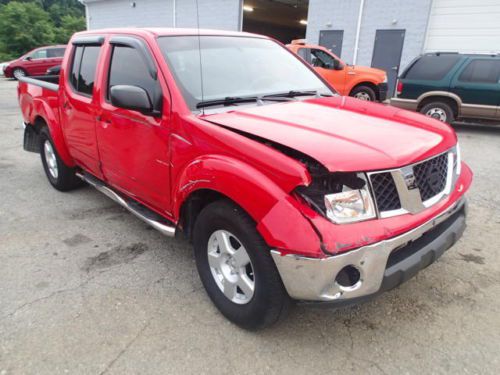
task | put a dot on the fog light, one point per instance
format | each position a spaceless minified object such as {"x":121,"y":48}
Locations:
{"x":348,"y":277}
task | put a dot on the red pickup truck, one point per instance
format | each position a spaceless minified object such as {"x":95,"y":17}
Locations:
{"x":287,"y":191}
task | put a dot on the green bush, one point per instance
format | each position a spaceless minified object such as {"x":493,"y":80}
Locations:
{"x":25,"y":25}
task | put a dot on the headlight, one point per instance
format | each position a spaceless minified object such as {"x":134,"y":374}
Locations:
{"x":349,"y":206}
{"x":341,"y":197}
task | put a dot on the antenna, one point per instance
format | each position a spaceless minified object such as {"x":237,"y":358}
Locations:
{"x":199,"y":53}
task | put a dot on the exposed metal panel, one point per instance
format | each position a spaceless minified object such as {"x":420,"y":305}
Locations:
{"x":464,"y":26}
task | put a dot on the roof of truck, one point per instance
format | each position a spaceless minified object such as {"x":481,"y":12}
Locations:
{"x":163,"y":31}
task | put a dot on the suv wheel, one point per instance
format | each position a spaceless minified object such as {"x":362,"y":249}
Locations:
{"x":18,"y":73}
{"x":236,"y":267}
{"x":60,"y":176}
{"x":364,"y":93}
{"x":438,"y":110}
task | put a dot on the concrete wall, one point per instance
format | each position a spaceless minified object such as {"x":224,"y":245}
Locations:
{"x":377,"y":14}
{"x":213,"y":14}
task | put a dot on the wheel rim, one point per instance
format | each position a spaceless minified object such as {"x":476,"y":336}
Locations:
{"x":19,"y":73}
{"x":50,"y":159}
{"x":363,"y":95}
{"x":231,"y":267}
{"x":437,"y":113}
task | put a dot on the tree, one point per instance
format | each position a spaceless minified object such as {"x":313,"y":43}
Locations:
{"x":23,"y":26}
{"x":68,"y":26}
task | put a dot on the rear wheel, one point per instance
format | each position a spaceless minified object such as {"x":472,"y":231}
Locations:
{"x":18,"y":73}
{"x":364,"y":93}
{"x":439,"y":110}
{"x":60,"y":176}
{"x":236,"y":268}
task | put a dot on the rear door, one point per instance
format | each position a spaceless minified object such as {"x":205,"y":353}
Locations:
{"x":478,"y":85}
{"x":134,"y":146}
{"x":78,"y":106}
{"x":54,"y":57}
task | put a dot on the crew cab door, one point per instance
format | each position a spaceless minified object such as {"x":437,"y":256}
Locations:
{"x":78,"y":106}
{"x":133,"y":146}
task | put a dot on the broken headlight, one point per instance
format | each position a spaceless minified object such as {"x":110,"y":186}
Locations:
{"x":341,"y":197}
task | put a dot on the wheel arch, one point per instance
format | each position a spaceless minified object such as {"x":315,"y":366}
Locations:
{"x":370,"y":84}
{"x":215,"y":177}
{"x":452,"y":99}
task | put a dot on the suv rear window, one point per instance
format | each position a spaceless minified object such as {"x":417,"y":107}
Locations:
{"x":481,"y":71}
{"x":431,"y":67}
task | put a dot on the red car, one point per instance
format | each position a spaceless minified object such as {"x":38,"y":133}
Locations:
{"x":36,"y":62}
{"x":287,"y":191}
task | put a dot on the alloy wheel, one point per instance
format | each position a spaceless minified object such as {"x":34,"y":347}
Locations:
{"x":437,"y":113}
{"x":50,"y":158}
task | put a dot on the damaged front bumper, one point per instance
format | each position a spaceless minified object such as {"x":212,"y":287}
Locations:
{"x":373,"y":269}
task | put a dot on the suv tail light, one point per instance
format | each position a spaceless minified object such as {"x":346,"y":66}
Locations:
{"x":399,"y":88}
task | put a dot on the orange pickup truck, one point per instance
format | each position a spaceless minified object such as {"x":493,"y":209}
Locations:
{"x":361,"y":82}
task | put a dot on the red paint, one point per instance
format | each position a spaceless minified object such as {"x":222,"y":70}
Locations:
{"x":35,"y":66}
{"x":160,"y":161}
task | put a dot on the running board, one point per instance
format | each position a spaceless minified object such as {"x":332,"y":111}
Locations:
{"x":145,"y":214}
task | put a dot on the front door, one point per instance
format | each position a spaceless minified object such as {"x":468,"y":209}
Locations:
{"x":332,"y":40}
{"x":134,"y":146}
{"x":78,"y":107}
{"x":387,"y":54}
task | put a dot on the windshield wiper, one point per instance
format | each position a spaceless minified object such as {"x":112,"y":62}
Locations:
{"x":230,"y":100}
{"x":294,"y":93}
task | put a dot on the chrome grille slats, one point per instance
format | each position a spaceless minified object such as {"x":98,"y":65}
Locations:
{"x":414,"y":187}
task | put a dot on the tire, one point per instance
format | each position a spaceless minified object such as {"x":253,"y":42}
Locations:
{"x":364,"y":93}
{"x":18,"y":72}
{"x":60,"y":176}
{"x":439,"y":110}
{"x":269,"y":301}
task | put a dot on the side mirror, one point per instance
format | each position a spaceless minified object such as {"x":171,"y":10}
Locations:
{"x":28,"y":58}
{"x":131,"y":97}
{"x":337,"y":65}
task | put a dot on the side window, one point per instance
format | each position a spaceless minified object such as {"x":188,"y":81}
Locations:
{"x":128,"y":68}
{"x":84,"y":68}
{"x":321,"y":59}
{"x":305,"y":54}
{"x":481,"y":71}
{"x":431,"y":67}
{"x":40,"y":54}
{"x":55,"y":52}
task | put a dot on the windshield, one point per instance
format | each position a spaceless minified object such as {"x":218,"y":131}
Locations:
{"x":235,"y":67}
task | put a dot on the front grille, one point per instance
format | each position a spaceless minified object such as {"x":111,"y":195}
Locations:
{"x":385,"y":191}
{"x":430,"y":179}
{"x":431,"y":176}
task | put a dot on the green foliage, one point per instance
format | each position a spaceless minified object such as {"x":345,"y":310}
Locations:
{"x":27,"y":24}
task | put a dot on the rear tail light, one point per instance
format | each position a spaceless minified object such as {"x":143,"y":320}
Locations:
{"x":399,"y":88}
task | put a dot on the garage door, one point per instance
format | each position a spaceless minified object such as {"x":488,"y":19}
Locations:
{"x":464,"y":26}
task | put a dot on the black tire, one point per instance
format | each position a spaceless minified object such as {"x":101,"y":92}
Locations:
{"x":65,"y":179}
{"x":270,"y":301}
{"x":365,"y":93}
{"x":21,"y":70}
{"x":443,"y":111}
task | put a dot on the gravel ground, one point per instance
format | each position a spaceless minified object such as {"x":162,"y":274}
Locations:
{"x":86,"y":288}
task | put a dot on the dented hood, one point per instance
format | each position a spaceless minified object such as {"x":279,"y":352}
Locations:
{"x":342,"y":133}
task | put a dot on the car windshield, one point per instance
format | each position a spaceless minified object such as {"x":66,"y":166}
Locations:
{"x":235,"y":67}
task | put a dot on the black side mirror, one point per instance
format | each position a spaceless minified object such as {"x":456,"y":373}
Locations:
{"x":28,"y":58}
{"x":131,"y":97}
{"x":337,"y":65}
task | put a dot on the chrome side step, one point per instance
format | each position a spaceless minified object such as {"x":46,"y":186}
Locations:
{"x":142,"y":212}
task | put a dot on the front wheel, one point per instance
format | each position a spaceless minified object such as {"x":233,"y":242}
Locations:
{"x":236,"y":267}
{"x":364,"y":93}
{"x":19,"y":73}
{"x":60,"y":176}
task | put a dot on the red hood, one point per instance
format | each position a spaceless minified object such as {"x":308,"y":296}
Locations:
{"x":344,"y":134}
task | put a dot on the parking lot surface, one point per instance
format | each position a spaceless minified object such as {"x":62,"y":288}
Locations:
{"x":86,"y":288}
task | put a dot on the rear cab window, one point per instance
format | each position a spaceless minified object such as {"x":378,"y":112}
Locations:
{"x":83,"y":68}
